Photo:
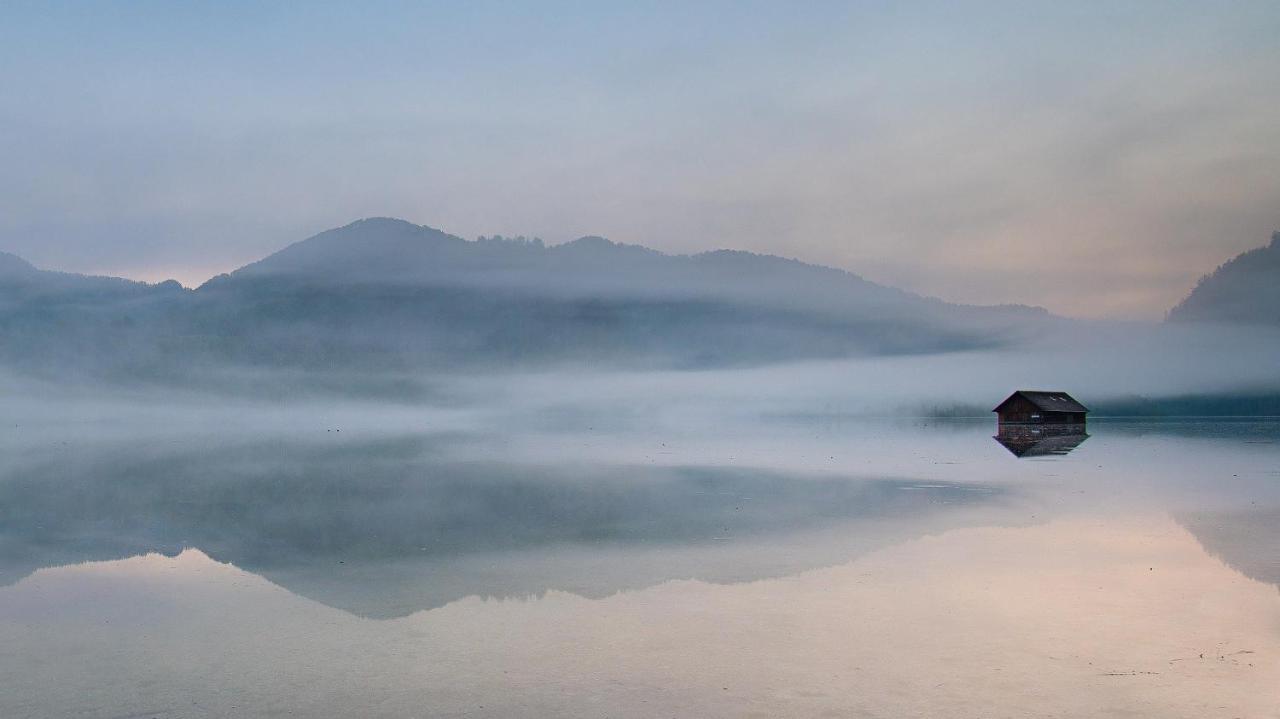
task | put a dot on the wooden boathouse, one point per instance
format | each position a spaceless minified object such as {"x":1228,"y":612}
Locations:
{"x":1037,"y":407}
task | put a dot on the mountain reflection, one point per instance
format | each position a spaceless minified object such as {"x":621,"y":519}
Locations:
{"x":1040,"y":440}
{"x":386,"y":528}
{"x":1245,"y":540}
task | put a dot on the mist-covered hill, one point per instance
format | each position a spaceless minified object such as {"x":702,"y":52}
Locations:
{"x":384,"y":294}
{"x":1245,"y":289}
{"x":51,"y":322}
{"x":21,"y":282}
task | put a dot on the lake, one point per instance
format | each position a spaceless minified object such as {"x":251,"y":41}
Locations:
{"x":338,"y":563}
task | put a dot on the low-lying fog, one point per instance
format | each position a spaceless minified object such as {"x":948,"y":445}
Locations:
{"x":1104,"y":363}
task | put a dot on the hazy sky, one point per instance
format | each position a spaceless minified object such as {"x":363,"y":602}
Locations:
{"x":1091,"y":158}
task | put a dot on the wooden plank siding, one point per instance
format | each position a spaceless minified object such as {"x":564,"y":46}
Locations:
{"x":1019,"y":410}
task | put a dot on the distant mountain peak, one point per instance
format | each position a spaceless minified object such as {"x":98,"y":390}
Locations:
{"x":374,"y":228}
{"x":594,"y":245}
{"x":12,"y":265}
{"x":380,"y":223}
{"x":590,"y":241}
{"x":367,"y":248}
{"x":170,"y":286}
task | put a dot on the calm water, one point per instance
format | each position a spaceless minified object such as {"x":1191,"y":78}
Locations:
{"x":801,"y":566}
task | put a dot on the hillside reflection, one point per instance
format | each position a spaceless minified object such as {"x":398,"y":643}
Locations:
{"x":1248,"y":541}
{"x":1122,"y":617}
{"x":386,"y":528}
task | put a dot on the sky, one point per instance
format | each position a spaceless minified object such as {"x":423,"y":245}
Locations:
{"x":1091,"y":158}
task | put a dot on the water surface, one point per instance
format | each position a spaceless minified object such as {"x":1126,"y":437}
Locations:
{"x":799,"y":566}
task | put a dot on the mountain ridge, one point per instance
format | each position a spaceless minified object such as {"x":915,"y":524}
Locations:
{"x":405,"y":252}
{"x":397,"y":242}
{"x":382,"y":294}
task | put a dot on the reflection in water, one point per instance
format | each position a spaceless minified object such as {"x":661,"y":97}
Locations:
{"x":386,"y":528}
{"x":806,"y":570}
{"x":1072,"y":618}
{"x":1248,"y":430}
{"x":1248,"y":540}
{"x":1040,"y":440}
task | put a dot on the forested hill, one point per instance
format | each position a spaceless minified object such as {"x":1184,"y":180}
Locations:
{"x":1245,"y":289}
{"x":382,"y":294}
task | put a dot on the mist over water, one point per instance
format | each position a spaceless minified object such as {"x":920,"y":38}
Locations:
{"x":733,"y":457}
{"x":474,"y":557}
{"x":729,"y":539}
{"x":275,"y":498}
{"x":1097,"y":362}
